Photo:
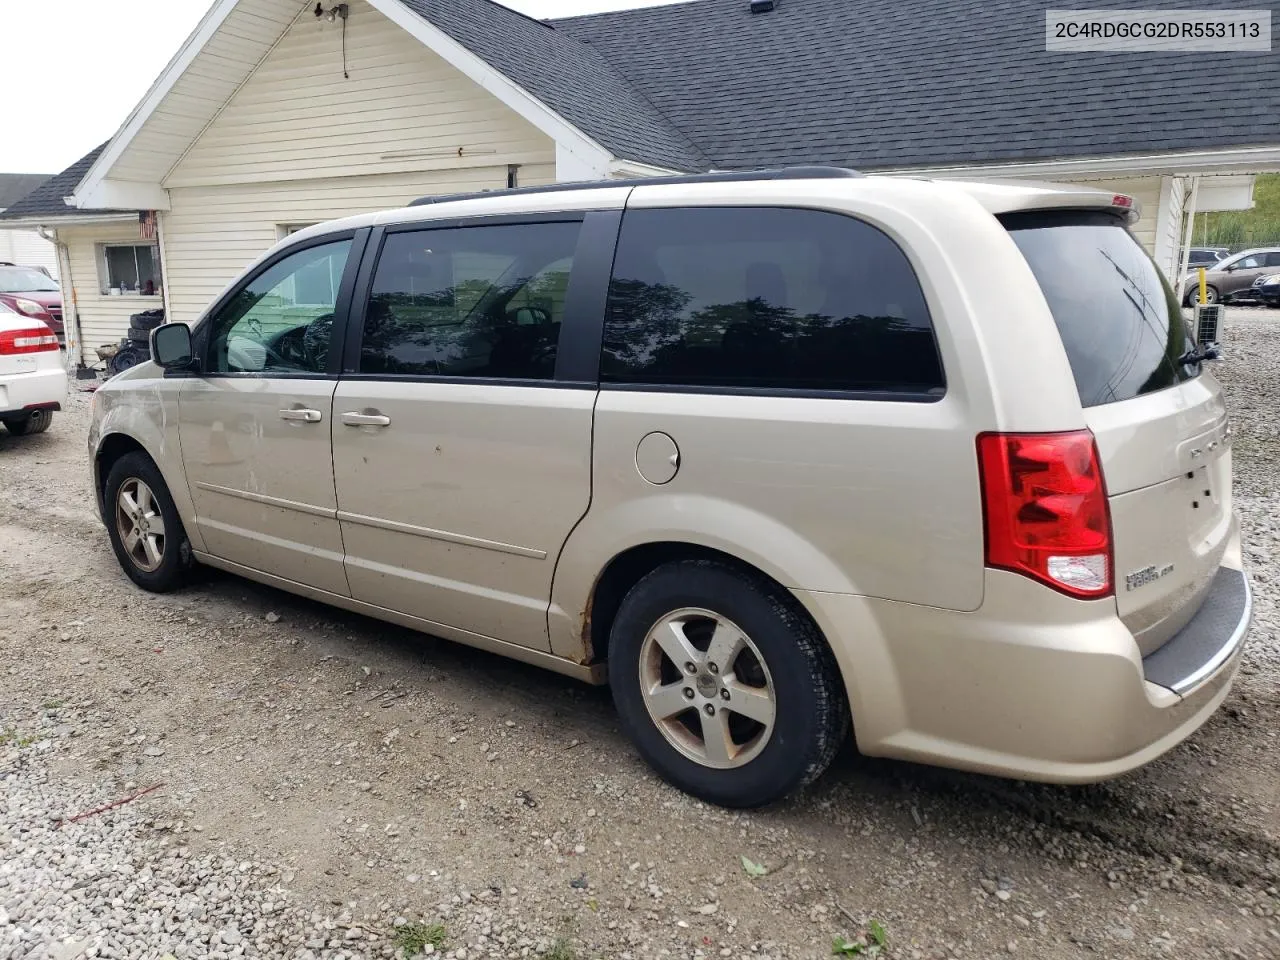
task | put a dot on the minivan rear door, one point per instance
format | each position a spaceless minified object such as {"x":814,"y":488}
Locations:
{"x":1159,"y":420}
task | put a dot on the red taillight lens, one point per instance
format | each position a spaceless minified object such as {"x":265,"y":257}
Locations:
{"x":1046,"y":509}
{"x":35,"y":339}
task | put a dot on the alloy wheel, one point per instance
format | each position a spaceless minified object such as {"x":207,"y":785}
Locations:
{"x":707,"y":688}
{"x":140,"y":525}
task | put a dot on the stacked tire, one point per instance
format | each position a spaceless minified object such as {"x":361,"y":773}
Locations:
{"x":136,"y":347}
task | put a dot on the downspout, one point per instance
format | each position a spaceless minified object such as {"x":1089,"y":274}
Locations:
{"x":70,"y":309}
{"x":1188,"y":234}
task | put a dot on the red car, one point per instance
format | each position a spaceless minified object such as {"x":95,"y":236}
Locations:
{"x":32,"y":293}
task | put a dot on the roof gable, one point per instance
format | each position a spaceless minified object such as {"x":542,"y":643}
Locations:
{"x":870,"y":84}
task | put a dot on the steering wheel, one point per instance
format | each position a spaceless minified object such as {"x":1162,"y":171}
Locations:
{"x":315,"y":342}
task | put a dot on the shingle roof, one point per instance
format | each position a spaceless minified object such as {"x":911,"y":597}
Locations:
{"x":45,"y":201}
{"x":15,"y":186}
{"x":871,"y":84}
{"x":570,"y":77}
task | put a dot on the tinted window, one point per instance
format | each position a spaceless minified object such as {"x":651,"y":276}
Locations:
{"x":1118,"y":318}
{"x":773,"y":298}
{"x":469,"y":302}
{"x":281,"y":320}
{"x":1273,"y":259}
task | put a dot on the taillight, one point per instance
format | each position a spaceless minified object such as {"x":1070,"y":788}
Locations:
{"x":1046,"y":509}
{"x":36,"y":339}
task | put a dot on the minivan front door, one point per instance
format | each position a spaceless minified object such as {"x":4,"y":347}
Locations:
{"x":255,"y":424}
{"x":461,"y":463}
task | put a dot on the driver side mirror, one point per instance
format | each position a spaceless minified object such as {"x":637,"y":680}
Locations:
{"x":171,"y":346}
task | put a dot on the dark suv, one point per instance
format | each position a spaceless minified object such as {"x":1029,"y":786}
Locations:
{"x":32,"y":293}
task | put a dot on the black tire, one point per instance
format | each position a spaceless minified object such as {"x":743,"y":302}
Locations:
{"x":146,"y":321}
{"x":176,"y":560}
{"x":140,"y":335}
{"x":37,"y":421}
{"x":811,"y":714}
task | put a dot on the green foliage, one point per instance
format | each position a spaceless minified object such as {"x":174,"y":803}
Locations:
{"x":413,"y":937}
{"x":562,"y":949}
{"x":870,"y":945}
{"x":1241,"y":229}
{"x":754,"y":869}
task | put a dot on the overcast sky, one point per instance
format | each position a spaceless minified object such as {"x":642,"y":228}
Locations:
{"x":73,"y":69}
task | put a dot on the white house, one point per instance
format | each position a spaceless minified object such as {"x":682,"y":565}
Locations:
{"x":276,"y":114}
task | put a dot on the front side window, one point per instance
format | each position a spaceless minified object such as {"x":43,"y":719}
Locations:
{"x":766,"y":298}
{"x":1248,"y":263}
{"x":484,"y":301}
{"x":130,"y":268}
{"x":281,"y":320}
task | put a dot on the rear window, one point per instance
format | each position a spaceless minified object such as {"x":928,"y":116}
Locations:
{"x":1117,"y":315}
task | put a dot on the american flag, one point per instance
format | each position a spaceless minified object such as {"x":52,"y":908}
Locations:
{"x":147,"y":224}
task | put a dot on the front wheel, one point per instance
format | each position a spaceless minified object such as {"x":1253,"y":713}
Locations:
{"x":37,"y":421}
{"x":724,"y":686}
{"x":146,"y":532}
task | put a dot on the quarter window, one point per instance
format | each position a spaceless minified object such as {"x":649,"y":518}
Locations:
{"x":765,"y":298}
{"x":281,"y":320}
{"x":469,"y":302}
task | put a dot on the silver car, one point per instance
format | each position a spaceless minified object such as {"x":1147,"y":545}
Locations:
{"x":764,"y":452}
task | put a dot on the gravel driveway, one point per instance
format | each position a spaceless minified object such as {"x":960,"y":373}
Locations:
{"x":316,"y":784}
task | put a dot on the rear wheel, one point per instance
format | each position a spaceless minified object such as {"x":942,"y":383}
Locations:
{"x":723,"y":685}
{"x":37,"y":421}
{"x":143,"y":524}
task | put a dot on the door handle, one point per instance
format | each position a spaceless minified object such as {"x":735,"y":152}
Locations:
{"x":297,"y":413}
{"x":353,"y":419}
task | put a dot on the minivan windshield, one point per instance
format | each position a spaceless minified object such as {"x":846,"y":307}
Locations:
{"x":1117,"y":315}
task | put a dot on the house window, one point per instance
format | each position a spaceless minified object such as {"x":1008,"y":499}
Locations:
{"x":129,"y":268}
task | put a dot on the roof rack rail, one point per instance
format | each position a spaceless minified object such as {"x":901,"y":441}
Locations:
{"x":783,"y":173}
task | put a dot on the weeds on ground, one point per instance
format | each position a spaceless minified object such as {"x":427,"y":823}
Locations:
{"x":11,"y":736}
{"x":562,"y":949}
{"x":51,"y":705}
{"x":869,"y":946}
{"x":412,"y":938}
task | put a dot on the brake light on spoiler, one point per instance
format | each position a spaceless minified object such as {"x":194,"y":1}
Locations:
{"x":27,"y":340}
{"x":1045,"y":509}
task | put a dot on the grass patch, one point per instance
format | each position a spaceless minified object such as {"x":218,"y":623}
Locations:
{"x":562,"y":949}
{"x":11,"y":736}
{"x":412,"y":938}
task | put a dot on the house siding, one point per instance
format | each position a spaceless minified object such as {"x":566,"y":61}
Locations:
{"x":403,"y":109}
{"x":28,"y":248}
{"x":103,"y":319}
{"x":298,"y":145}
{"x":1146,"y":190}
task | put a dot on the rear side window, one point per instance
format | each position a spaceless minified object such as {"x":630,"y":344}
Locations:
{"x":482,"y":301}
{"x":767,"y":298}
{"x":1117,"y":315}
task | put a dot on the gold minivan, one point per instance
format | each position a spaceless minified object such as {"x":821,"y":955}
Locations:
{"x":768,"y":453}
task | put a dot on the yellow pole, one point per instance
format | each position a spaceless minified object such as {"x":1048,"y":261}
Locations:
{"x":1203,"y":291}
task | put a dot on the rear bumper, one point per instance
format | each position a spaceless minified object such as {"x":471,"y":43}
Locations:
{"x":1030,"y":686}
{"x":40,"y":389}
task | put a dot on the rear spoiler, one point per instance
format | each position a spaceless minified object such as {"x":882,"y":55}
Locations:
{"x":1022,"y":196}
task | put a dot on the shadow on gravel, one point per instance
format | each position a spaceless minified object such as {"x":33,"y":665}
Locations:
{"x":1159,"y":812}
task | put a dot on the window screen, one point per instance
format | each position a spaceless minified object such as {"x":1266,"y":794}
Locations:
{"x":765,"y":298}
{"x":470,"y":302}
